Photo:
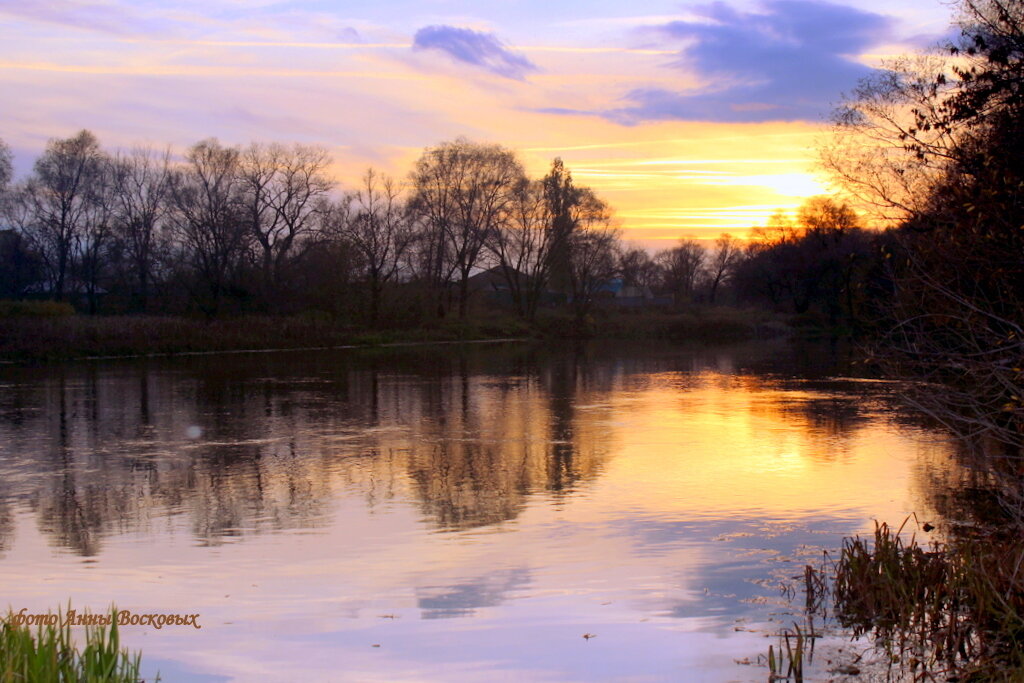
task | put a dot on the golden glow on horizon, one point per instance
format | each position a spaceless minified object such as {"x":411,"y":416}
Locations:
{"x":666,"y":180}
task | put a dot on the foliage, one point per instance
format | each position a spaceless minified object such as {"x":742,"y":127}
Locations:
{"x":941,"y":155}
{"x":815,"y":262}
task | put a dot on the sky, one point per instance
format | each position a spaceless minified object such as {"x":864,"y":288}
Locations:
{"x":690,"y":118}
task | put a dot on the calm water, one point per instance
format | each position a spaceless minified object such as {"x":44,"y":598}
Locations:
{"x":471,"y":512}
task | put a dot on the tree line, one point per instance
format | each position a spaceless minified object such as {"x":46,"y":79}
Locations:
{"x":935,"y":144}
{"x":264,"y":228}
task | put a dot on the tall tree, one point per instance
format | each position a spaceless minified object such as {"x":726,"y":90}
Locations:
{"x":592,"y":248}
{"x":380,"y":230}
{"x":140,"y":197}
{"x":522,"y":247}
{"x":60,"y":197}
{"x":638,"y":269}
{"x":209,"y":218}
{"x":724,"y":258}
{"x":463,"y":191}
{"x":91,"y":262}
{"x":563,"y":199}
{"x":284,"y":190}
{"x":682,"y":267}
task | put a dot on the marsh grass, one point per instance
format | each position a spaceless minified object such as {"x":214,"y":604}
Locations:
{"x":795,"y":650}
{"x":49,"y":654}
{"x":954,"y":611}
{"x":948,"y":611}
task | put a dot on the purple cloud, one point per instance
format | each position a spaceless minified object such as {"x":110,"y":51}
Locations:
{"x":787,"y":62}
{"x":477,"y":48}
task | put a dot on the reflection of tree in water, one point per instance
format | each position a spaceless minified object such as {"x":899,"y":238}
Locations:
{"x":468,"y":434}
{"x":6,"y":525}
{"x":828,"y":413}
{"x":973,"y":485}
{"x":576,"y":452}
{"x":486,"y":443}
{"x":103,"y":456}
{"x":96,"y":452}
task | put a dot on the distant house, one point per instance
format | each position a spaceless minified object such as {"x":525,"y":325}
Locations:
{"x":496,"y":279}
{"x":616,"y":292}
{"x":492,"y":286}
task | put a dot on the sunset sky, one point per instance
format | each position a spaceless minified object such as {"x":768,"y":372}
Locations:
{"x":690,"y":118}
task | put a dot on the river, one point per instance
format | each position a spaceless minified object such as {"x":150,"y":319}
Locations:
{"x":449,"y":513}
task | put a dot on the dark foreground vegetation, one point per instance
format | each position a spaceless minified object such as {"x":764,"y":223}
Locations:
{"x":935,"y":144}
{"x":935,"y":611}
{"x":955,"y":611}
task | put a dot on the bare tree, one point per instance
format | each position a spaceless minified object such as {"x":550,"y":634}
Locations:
{"x":638,"y":269}
{"x":6,"y":167}
{"x":208,"y":217}
{"x":19,"y":264}
{"x":593,"y":244}
{"x":284,"y":189}
{"x":380,"y":230}
{"x":463,"y":192}
{"x":141,"y":189}
{"x":91,"y":263}
{"x":523,"y":246}
{"x":728,"y":252}
{"x":60,"y":197}
{"x":681,"y":267}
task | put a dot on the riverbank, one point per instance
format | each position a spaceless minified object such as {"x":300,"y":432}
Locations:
{"x":54,"y":338}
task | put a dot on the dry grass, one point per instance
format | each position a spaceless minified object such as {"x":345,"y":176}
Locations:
{"x":954,"y":611}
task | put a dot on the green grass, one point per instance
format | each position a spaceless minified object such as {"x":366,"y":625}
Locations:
{"x":49,"y":653}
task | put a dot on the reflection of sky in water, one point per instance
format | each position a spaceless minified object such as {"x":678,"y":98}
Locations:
{"x":472,"y":514}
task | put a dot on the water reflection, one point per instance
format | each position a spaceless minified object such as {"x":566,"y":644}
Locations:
{"x":465,"y":598}
{"x":329,"y":501}
{"x":260,"y":444}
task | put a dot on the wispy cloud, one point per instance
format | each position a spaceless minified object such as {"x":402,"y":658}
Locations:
{"x":94,"y":16}
{"x":477,"y":48}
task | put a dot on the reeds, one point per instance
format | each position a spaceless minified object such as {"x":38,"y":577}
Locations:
{"x":956,"y":610}
{"x":795,"y":648}
{"x":49,"y":653}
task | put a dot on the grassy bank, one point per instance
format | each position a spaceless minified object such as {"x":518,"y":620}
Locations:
{"x":33,"y":338}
